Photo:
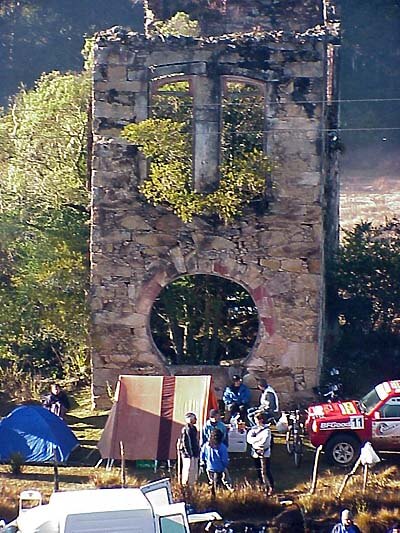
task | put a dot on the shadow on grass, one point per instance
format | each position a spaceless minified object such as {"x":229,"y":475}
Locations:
{"x":84,"y":455}
{"x":47,"y":477}
{"x":94,"y":422}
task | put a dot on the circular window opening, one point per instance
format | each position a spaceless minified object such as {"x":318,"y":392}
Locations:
{"x":202,"y":320}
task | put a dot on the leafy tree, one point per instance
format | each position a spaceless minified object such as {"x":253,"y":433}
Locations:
{"x":203,"y":319}
{"x":44,"y":226}
{"x":243,"y":121}
{"x":364,"y":298}
{"x":178,"y":25}
{"x":167,"y":146}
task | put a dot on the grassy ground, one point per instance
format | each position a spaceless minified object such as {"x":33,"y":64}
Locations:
{"x":375,"y":510}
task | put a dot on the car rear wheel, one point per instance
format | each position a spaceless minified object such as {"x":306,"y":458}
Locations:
{"x":343,"y":450}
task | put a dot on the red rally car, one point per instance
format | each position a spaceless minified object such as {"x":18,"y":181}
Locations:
{"x":342,"y":427}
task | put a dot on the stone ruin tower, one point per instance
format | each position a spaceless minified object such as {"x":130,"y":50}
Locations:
{"x":286,"y":50}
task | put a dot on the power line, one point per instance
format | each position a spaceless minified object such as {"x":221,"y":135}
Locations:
{"x":252,"y":132}
{"x":232,"y":104}
{"x":276,"y":103}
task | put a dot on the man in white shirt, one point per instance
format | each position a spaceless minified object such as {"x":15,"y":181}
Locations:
{"x":269,"y":402}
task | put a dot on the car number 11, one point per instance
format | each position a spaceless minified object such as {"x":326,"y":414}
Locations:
{"x":357,"y":422}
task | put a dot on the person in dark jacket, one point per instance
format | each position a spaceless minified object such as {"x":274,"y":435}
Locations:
{"x":57,"y":401}
{"x":236,"y":398}
{"x":189,"y":450}
{"x":346,"y":524}
{"x":214,"y":456}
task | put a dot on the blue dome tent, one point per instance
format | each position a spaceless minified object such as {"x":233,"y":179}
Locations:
{"x":37,"y":434}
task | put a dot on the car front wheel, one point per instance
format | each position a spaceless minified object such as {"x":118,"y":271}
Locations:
{"x":343,"y":450}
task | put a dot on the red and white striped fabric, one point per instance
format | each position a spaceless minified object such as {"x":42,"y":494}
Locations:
{"x":149,"y":412}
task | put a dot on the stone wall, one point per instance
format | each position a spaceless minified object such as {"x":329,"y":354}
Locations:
{"x":217,"y":17}
{"x":278,"y":255}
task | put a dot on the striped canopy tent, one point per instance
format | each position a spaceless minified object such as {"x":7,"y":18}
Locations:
{"x":149,"y":412}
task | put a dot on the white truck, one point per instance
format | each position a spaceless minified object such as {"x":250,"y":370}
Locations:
{"x":148,"y":509}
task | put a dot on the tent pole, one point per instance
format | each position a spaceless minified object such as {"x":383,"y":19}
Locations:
{"x":123,"y":470}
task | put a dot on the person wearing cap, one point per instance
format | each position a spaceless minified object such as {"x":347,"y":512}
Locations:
{"x":346,"y":523}
{"x":189,"y":450}
{"x":269,"y":402}
{"x":214,"y":422}
{"x":236,"y":398}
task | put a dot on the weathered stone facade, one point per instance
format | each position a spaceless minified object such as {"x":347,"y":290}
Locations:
{"x":278,"y":255}
{"x":217,"y":17}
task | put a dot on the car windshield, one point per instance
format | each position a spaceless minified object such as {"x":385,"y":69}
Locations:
{"x":369,"y":401}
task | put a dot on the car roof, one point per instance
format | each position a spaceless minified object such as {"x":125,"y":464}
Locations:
{"x":92,"y":500}
{"x":387,"y":388}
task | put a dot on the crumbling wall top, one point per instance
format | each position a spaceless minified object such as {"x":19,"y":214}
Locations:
{"x":217,"y":17}
{"x":121,"y":35}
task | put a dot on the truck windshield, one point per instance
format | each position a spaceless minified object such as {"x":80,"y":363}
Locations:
{"x":369,"y":401}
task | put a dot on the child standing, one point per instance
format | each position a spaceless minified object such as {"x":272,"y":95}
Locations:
{"x":214,"y":456}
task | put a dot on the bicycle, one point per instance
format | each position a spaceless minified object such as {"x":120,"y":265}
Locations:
{"x":294,"y":436}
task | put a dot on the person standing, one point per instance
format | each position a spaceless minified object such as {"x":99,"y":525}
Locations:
{"x":214,"y":456}
{"x":260,"y":438}
{"x":189,"y":450}
{"x":214,"y":422}
{"x":269,"y":402}
{"x":236,"y":398}
{"x":346,"y":524}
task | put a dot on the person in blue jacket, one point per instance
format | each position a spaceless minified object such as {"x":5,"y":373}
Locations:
{"x":214,"y":456}
{"x":214,"y":422}
{"x":236,"y":398}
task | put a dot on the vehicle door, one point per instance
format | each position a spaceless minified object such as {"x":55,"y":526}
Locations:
{"x":158,"y":493}
{"x":172,"y":519}
{"x":386,"y":425}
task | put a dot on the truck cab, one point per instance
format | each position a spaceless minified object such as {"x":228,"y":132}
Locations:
{"x":343,"y":427}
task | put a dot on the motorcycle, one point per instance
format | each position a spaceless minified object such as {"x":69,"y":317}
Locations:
{"x":332,"y":391}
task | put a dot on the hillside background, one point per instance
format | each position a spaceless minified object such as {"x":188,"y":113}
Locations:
{"x":43,"y":35}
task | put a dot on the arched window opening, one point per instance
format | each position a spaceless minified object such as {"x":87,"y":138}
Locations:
{"x":172,"y":97}
{"x":243,"y":119}
{"x":202,"y":320}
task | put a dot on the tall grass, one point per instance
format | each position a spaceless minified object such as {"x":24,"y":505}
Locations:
{"x":374,"y":510}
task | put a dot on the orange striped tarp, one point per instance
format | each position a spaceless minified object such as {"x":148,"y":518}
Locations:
{"x":148,"y":414}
